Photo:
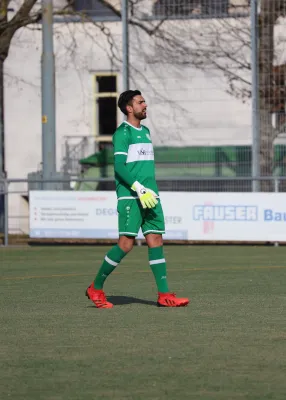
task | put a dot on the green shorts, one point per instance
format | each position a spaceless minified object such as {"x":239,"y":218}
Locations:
{"x":132,"y":217}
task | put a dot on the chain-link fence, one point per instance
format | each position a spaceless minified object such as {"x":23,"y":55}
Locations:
{"x":214,"y":77}
{"x":213,"y":169}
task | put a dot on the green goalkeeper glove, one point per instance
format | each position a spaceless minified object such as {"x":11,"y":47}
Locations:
{"x":146,"y":196}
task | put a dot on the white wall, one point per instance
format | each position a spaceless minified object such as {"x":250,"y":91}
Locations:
{"x":187,"y":106}
{"x":74,"y":98}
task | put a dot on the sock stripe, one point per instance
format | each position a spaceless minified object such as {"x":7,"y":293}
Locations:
{"x":159,"y":261}
{"x":158,"y":266}
{"x":107,"y":259}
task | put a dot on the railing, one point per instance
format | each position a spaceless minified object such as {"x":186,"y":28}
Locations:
{"x":9,"y":188}
{"x":76,"y":148}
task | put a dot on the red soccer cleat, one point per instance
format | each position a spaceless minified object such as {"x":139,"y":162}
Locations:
{"x":170,"y":300}
{"x":97,"y":296}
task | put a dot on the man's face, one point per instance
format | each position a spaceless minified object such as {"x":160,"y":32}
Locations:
{"x":138,"y":107}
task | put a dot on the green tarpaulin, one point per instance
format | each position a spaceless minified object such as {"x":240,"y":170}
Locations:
{"x":197,"y":155}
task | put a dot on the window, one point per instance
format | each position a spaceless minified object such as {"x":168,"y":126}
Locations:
{"x":184,"y":8}
{"x":214,"y":7}
{"x":174,"y":8}
{"x":105,"y":106}
{"x":92,"y":7}
{"x":106,"y":83}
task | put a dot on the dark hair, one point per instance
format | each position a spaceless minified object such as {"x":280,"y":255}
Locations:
{"x":125,"y":98}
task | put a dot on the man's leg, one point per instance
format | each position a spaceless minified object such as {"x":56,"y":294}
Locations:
{"x":153,"y":227}
{"x":114,"y":256}
{"x":158,"y":265}
{"x":129,"y":222}
{"x":157,"y":261}
{"x":94,"y":292}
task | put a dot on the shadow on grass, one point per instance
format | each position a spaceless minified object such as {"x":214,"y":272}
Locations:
{"x":122,"y":300}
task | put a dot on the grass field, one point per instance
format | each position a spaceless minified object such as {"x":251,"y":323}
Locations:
{"x":228,"y":344}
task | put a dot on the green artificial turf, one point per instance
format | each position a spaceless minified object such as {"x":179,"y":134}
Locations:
{"x":228,"y":344}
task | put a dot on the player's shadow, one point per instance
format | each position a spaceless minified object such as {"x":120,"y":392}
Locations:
{"x":123,"y":300}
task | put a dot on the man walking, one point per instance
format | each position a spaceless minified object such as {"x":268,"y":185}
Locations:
{"x":138,"y":204}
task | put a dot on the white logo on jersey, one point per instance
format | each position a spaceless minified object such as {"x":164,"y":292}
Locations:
{"x":140,"y":152}
{"x":143,"y":152}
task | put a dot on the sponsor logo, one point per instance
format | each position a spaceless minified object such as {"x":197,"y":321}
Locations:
{"x":143,"y":152}
{"x":105,"y":211}
{"x":274,"y":216}
{"x":208,"y":226}
{"x":210,"y":213}
{"x":173,"y":219}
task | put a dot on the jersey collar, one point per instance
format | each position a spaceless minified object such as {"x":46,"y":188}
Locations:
{"x":138,"y":129}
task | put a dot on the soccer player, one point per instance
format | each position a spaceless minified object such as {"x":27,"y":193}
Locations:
{"x":138,"y":203}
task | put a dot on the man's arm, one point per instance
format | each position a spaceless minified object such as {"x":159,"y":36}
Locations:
{"x":120,"y":143}
{"x":120,"y":169}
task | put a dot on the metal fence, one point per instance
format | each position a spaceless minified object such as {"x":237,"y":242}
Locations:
{"x":215,"y":74}
{"x":15,"y":194}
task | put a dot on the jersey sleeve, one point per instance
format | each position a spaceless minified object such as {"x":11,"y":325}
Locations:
{"x":120,"y":142}
{"x":120,"y":146}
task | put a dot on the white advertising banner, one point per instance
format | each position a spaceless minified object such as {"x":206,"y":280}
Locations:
{"x":237,"y":216}
{"x":92,"y":215}
{"x":188,"y":216}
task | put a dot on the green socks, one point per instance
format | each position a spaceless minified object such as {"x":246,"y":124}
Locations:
{"x":111,"y":260}
{"x":158,"y":266}
{"x":116,"y":254}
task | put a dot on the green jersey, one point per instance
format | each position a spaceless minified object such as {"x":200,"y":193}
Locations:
{"x":136,"y":145}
